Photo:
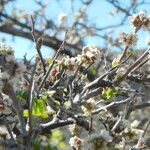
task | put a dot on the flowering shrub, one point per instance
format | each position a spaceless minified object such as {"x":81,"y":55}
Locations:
{"x":39,"y":96}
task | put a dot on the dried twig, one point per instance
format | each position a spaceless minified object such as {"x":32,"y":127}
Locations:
{"x":51,"y":66}
{"x":38,"y":44}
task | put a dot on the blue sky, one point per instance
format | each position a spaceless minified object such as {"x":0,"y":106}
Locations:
{"x":98,"y":13}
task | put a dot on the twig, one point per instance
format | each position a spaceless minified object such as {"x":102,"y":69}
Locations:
{"x":124,"y":53}
{"x":92,"y":93}
{"x":113,"y":104}
{"x":38,"y":43}
{"x":140,"y":106}
{"x":116,"y":124}
{"x":31,"y":89}
{"x":58,"y":81}
{"x":55,"y":124}
{"x":140,"y":65}
{"x":131,"y":67}
{"x":10,"y":133}
{"x":99,"y":81}
{"x":137,"y":62}
{"x":127,"y":46}
{"x":51,"y":66}
{"x":146,"y":128}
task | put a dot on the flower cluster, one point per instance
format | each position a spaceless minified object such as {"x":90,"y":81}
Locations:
{"x":89,"y":106}
{"x":6,"y":49}
{"x":133,"y":130}
{"x":128,"y":39}
{"x":89,"y":53}
{"x":70,"y":64}
{"x":75,"y":142}
{"x":140,"y":20}
{"x":11,"y":71}
{"x":7,"y":115}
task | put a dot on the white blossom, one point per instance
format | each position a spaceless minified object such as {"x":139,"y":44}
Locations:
{"x":62,"y":18}
{"x":128,"y":39}
{"x":135,"y":124}
{"x":89,"y":106}
{"x":75,"y":142}
{"x":71,"y":65}
{"x":90,"y":53}
{"x":6,"y":49}
{"x":140,"y":20}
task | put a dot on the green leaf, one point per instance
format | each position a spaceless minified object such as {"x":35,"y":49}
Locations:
{"x":62,"y":144}
{"x":57,"y":139}
{"x":57,"y":102}
{"x":22,"y":95}
{"x":36,"y":145}
{"x":26,"y":113}
{"x":115,"y":62}
{"x":93,"y":70}
{"x":130,"y":53}
{"x":44,"y":98}
{"x":38,"y":110}
{"x":109,"y":93}
{"x":50,"y":61}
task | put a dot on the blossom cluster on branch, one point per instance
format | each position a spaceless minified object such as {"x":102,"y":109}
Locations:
{"x":45,"y":94}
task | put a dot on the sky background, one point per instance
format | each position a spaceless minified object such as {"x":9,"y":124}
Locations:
{"x":98,"y":13}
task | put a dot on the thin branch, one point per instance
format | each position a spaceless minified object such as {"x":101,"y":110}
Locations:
{"x":140,"y":65}
{"x":146,"y":128}
{"x":38,"y":43}
{"x":116,"y":124}
{"x":51,"y":66}
{"x":131,"y":67}
{"x":31,"y":90}
{"x":112,"y":104}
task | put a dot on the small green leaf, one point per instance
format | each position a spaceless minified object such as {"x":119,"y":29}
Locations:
{"x":115,"y":62}
{"x":130,"y":53}
{"x":36,"y":145}
{"x":22,"y":95}
{"x":26,"y":113}
{"x":109,"y":93}
{"x":93,"y":70}
{"x":38,"y":110}
{"x":44,"y":97}
{"x":57,"y":102}
{"x":50,"y":61}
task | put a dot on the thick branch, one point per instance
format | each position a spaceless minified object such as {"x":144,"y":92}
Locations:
{"x":47,"y":41}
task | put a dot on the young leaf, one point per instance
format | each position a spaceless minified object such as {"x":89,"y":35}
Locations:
{"x":93,"y":70}
{"x":50,"y":61}
{"x":109,"y":93}
{"x":22,"y":95}
{"x":115,"y":62}
{"x":38,"y":110}
{"x":26,"y":113}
